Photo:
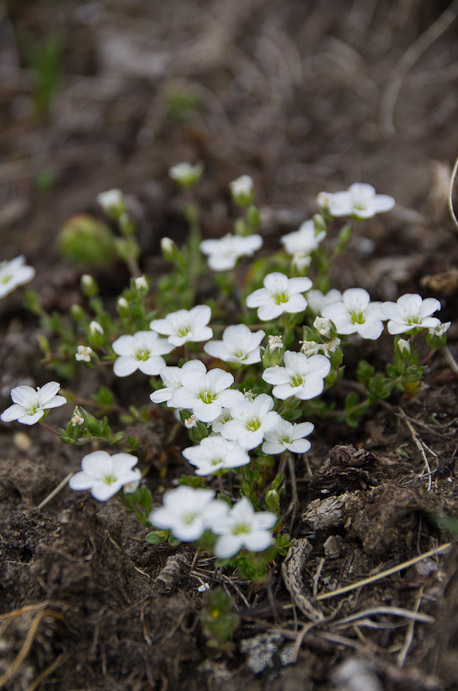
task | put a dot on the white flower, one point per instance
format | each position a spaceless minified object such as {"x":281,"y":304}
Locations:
{"x":304,"y":241}
{"x":29,"y":405}
{"x":112,"y":202}
{"x":104,"y":475}
{"x":356,"y":314}
{"x":239,"y":345}
{"x":439,"y":330}
{"x":286,"y":436}
{"x":83,"y":353}
{"x":190,"y":422}
{"x":360,"y":201}
{"x":14,"y":273}
{"x":280,"y":294}
{"x":223,"y":253}
{"x":187,"y":512}
{"x":185,"y":325}
{"x":172,"y":380}
{"x":411,"y":312}
{"x":242,"y":527}
{"x":225,"y":416}
{"x":141,"y":351}
{"x":215,"y":453}
{"x":77,"y":418}
{"x":205,"y":394}
{"x":186,"y":174}
{"x":317,"y":300}
{"x":301,"y":376}
{"x":274,"y":343}
{"x":242,"y":190}
{"x":251,"y":420}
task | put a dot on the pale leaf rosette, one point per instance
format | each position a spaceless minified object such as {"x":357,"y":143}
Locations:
{"x":280,"y":294}
{"x":301,"y":376}
{"x":356,"y":314}
{"x":411,"y":312}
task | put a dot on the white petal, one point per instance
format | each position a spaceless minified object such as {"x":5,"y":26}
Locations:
{"x":124,"y":366}
{"x":14,"y":412}
{"x":227,"y":546}
{"x":31,"y":419}
{"x":56,"y":402}
{"x":101,"y":491}
{"x":97,"y":464}
{"x":124,"y":345}
{"x":80,"y":481}
{"x":23,"y":395}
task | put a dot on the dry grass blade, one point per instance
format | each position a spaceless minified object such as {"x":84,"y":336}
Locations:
{"x":395,"y":611}
{"x":408,"y":60}
{"x":450,"y":193}
{"x":384,"y":574}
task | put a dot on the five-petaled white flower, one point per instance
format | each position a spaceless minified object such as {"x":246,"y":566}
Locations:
{"x":141,"y":351}
{"x":205,"y":394}
{"x":188,"y":512}
{"x":286,"y":436}
{"x":317,"y":300}
{"x":14,"y":273}
{"x":359,"y":201}
{"x":172,"y":380}
{"x":280,"y":294}
{"x":411,"y":312}
{"x":251,"y":420}
{"x":301,"y":243}
{"x":239,"y":345}
{"x":301,"y":376}
{"x":104,"y":475}
{"x":185,"y":325}
{"x":356,"y":314}
{"x":242,"y":527}
{"x":223,"y":253}
{"x":215,"y":453}
{"x":84,"y":353}
{"x":29,"y":405}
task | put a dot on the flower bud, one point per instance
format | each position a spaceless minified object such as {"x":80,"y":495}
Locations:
{"x":141,"y":285}
{"x":404,"y":346}
{"x":95,"y":334}
{"x":169,"y":249}
{"x":273,"y":354}
{"x":273,"y":500}
{"x":242,"y":190}
{"x":112,"y":203}
{"x":185,"y":174}
{"x":89,"y":286}
{"x":319,"y":224}
{"x":122,"y":307}
{"x":84,"y":353}
{"x":323,"y":326}
{"x":77,"y":313}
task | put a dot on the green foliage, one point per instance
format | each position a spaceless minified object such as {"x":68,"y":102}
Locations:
{"x":219,"y":622}
{"x":87,"y":241}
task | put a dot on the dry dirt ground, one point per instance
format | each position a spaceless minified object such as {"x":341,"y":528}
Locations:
{"x":304,"y":96}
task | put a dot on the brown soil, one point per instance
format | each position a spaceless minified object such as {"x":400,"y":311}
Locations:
{"x":305,"y":97}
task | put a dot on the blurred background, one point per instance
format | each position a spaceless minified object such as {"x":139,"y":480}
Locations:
{"x":304,"y":95}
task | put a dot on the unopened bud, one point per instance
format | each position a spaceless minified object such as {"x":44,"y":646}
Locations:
{"x":185,"y":174}
{"x":141,"y":284}
{"x":169,"y":249}
{"x":77,"y":313}
{"x":403,"y":346}
{"x":123,"y":307}
{"x":95,"y":334}
{"x":89,"y":286}
{"x":112,"y":202}
{"x":242,"y":190}
{"x":323,"y":326}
